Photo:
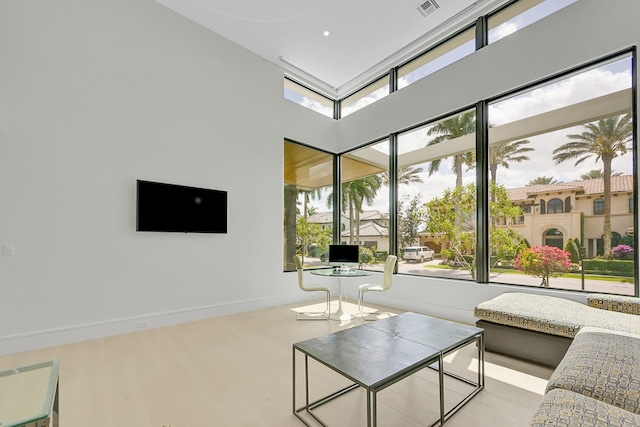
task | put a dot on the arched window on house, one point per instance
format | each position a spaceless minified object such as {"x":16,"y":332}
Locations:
{"x":598,"y":206}
{"x":553,"y":237}
{"x":555,"y":206}
{"x":567,"y":204}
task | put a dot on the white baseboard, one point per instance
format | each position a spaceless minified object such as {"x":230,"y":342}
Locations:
{"x":75,"y":333}
{"x":444,"y":312}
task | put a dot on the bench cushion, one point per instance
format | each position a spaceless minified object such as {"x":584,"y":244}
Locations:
{"x":551,"y":315}
{"x":603,"y":365}
{"x":621,"y":303}
{"x":563,"y":408}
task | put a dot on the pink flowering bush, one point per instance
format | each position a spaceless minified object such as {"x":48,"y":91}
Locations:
{"x":622,"y":252}
{"x":544,"y":262}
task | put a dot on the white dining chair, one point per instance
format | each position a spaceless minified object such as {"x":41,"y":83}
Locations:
{"x":319,"y":315}
{"x":387,"y":282}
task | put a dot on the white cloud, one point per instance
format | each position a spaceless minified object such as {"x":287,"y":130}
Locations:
{"x":566,"y":92}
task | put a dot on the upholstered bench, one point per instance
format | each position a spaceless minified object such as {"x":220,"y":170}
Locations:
{"x":564,"y":408}
{"x":597,"y":383}
{"x":540,"y":328}
{"x":619,"y":303}
{"x":604,"y":365}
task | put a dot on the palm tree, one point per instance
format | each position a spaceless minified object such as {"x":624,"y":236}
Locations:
{"x":406,"y":175}
{"x":362,"y":189}
{"x":607,"y":139}
{"x":460,"y":125}
{"x":597,"y":173}
{"x":353,"y":194}
{"x":503,"y":153}
{"x":308,"y":195}
{"x":542,"y":180}
{"x":455,"y":127}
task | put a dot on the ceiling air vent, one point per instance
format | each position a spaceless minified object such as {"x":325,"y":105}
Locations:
{"x":428,"y":7}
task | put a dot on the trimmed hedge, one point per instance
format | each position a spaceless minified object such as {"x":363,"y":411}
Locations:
{"x":609,"y":266}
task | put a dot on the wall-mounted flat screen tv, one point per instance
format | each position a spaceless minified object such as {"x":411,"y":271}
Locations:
{"x":179,"y":208}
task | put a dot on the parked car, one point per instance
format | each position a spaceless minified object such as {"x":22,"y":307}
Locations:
{"x":418,"y":253}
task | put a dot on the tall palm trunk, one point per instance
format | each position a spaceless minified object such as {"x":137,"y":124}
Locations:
{"x":290,"y":198}
{"x":351,"y":221}
{"x":357,"y":225}
{"x":458,"y":170}
{"x":606,"y":160}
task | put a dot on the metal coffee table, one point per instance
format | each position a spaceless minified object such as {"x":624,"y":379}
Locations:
{"x":377,"y":355}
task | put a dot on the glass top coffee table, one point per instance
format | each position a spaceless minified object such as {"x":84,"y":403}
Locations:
{"x":29,"y":395}
{"x":378,"y":354}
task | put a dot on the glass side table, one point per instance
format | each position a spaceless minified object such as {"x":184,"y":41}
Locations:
{"x":29,"y":395}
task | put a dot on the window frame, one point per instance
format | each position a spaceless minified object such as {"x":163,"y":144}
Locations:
{"x":599,"y":210}
{"x":481,"y":151}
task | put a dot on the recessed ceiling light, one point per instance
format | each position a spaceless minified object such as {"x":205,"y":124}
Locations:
{"x":326,"y":33}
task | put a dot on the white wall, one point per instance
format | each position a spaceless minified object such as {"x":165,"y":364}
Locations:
{"x":576,"y":35}
{"x":95,"y":94}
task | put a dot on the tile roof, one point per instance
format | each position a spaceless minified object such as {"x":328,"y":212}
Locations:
{"x":622,"y":183}
{"x":369,"y":229}
{"x":327,"y":217}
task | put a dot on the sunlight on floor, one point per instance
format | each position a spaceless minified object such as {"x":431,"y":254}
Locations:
{"x":349,"y":307}
{"x":310,"y":308}
{"x":509,"y":376}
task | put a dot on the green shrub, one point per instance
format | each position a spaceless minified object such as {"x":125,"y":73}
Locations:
{"x":574,"y":251}
{"x":381,"y":255}
{"x":609,"y":266}
{"x":365,"y":255}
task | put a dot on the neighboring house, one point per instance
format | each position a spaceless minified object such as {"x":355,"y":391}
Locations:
{"x":325,"y":220}
{"x":556,"y":212}
{"x":553,"y":214}
{"x":372,"y":235}
{"x":374,"y":230}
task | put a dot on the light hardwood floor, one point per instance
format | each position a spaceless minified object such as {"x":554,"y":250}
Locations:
{"x":236,"y":371}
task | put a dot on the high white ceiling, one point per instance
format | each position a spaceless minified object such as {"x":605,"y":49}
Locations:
{"x":365,"y":38}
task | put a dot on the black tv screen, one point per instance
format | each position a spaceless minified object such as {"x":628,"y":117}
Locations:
{"x":346,"y":255}
{"x":178,"y":208}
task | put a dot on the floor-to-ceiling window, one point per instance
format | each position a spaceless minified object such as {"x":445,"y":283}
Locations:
{"x":365,"y":202}
{"x":553,"y":181}
{"x":436,"y":196}
{"x":308,"y":180}
{"x":561,"y":157}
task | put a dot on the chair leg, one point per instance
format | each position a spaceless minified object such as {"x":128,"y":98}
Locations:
{"x":364,"y":315}
{"x":317,"y":315}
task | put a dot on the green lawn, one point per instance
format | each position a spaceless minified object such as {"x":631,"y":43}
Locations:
{"x":568,"y":275}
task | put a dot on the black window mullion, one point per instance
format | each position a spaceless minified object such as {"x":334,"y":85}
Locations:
{"x":482,"y":198}
{"x":393,"y":194}
{"x":337,"y":198}
{"x":393,"y":80}
{"x":482,"y":33}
